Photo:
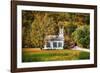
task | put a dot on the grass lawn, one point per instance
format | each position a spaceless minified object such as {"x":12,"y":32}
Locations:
{"x":36,"y":55}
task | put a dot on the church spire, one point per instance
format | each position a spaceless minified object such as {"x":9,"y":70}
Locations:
{"x":61,"y":33}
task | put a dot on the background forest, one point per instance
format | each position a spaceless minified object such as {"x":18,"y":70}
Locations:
{"x":37,"y":24}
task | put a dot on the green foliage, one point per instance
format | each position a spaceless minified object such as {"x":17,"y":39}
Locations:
{"x":82,"y":36}
{"x":70,"y":28}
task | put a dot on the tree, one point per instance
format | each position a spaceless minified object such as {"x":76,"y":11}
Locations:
{"x":82,"y":36}
{"x":41,"y":26}
{"x":27,"y":19}
{"x":69,"y":29}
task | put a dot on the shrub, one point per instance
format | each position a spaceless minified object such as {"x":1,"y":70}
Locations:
{"x":82,"y":36}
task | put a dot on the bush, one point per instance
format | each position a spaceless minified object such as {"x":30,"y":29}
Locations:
{"x":82,"y":36}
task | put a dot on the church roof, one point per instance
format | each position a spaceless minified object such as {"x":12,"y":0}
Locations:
{"x":58,"y":37}
{"x":53,"y":38}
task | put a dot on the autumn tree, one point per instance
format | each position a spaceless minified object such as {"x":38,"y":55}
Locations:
{"x":28,"y":18}
{"x":41,"y":26}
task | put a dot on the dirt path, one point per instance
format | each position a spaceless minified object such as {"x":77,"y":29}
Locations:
{"x":81,"y":49}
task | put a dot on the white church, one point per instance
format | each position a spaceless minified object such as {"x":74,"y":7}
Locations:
{"x":55,"y":41}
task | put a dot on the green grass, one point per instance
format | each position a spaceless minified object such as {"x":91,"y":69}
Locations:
{"x":84,"y":55}
{"x":53,"y":55}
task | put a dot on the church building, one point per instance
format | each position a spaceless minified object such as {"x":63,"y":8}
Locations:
{"x":55,"y":41}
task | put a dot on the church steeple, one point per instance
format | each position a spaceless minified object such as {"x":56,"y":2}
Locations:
{"x":61,"y":33}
